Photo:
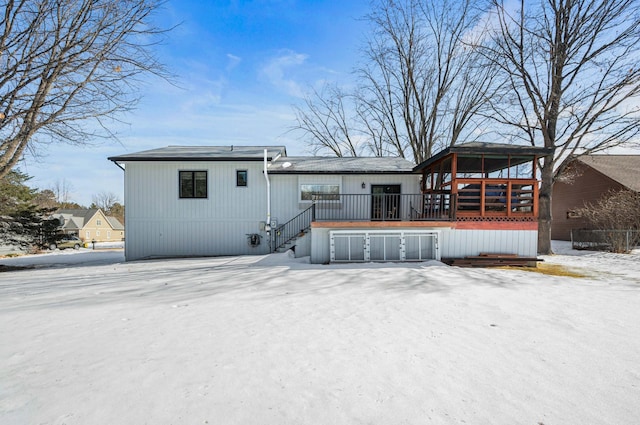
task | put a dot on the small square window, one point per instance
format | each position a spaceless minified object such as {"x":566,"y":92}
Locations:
{"x":241,"y":178}
{"x":193,"y":184}
{"x":98,"y":222}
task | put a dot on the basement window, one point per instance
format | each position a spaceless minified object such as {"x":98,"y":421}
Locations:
{"x":193,"y":184}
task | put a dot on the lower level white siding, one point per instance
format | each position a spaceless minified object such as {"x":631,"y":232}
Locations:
{"x":162,"y":238}
{"x":457,"y":243}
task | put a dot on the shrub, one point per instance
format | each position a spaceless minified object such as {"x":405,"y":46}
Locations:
{"x":617,"y":215}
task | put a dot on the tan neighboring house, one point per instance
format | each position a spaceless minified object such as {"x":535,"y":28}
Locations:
{"x":90,"y":225}
{"x":586,"y":180}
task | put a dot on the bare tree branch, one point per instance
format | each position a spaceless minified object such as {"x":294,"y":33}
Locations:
{"x":68,"y":65}
{"x":421,"y":86}
{"x":327,"y":121}
{"x":105,"y":201}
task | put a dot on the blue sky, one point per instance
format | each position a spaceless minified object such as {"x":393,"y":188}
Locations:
{"x":240,"y":66}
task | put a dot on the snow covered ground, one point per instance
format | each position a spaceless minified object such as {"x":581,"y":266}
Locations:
{"x":86,"y":338}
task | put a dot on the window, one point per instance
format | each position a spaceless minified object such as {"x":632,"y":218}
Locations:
{"x":108,"y":234}
{"x":193,"y":184}
{"x":98,"y":222}
{"x":241,"y":178}
{"x":97,"y":232}
{"x":87,"y":235}
{"x":327,"y":192}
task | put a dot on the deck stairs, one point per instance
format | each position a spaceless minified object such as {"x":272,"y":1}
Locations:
{"x":285,"y":236}
{"x":290,"y":244}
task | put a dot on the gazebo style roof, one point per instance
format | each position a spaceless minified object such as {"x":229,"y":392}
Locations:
{"x":487,"y":149}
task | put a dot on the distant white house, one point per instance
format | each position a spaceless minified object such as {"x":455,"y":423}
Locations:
{"x":238,"y":200}
{"x":90,"y":224}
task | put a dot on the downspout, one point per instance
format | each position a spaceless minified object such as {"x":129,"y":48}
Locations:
{"x":267,"y":226}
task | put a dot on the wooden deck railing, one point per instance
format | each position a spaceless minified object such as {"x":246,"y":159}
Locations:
{"x":497,"y":197}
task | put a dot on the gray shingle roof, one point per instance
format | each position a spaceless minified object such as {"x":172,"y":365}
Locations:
{"x":203,"y":153}
{"x":115,"y":223}
{"x":283,"y":165}
{"x":76,"y":217}
{"x":625,"y":169}
{"x":343,"y":165}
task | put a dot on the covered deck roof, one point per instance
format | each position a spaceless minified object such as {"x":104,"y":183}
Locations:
{"x":496,"y":150}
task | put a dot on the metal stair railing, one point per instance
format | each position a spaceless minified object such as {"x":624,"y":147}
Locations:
{"x":290,"y":230}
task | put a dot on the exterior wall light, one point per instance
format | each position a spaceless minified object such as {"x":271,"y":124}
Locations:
{"x":364,"y":185}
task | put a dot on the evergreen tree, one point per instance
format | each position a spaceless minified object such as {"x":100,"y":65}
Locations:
{"x":23,"y":222}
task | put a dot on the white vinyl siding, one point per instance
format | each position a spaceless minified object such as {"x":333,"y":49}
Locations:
{"x":457,"y":243}
{"x":161,"y":224}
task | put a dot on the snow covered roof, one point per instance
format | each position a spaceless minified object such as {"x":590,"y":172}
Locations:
{"x":624,"y":169}
{"x":203,"y":153}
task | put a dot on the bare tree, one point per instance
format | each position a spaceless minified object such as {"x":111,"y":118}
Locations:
{"x":105,"y":201}
{"x":326,"y":119}
{"x":67,"y":66}
{"x":421,"y":85}
{"x":570,"y":68}
{"x":62,"y":191}
{"x":423,"y":81}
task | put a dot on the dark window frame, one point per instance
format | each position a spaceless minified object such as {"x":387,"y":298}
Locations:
{"x":193,"y":193}
{"x":246,"y":178}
